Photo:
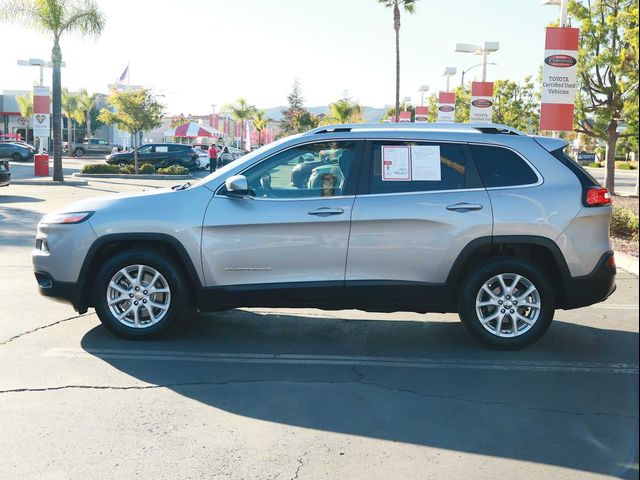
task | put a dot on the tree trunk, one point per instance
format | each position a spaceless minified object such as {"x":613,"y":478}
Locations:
{"x":89,"y":123}
{"x":135,"y":151}
{"x":396,"y":27}
{"x":57,"y":113}
{"x":610,"y":163}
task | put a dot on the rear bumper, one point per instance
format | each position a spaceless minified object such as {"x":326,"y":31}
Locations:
{"x":592,"y":288}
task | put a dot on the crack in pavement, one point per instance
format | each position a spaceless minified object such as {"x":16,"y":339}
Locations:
{"x":300,"y":465}
{"x":357,"y":381}
{"x":42,"y":327}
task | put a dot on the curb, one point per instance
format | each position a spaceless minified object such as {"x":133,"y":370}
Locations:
{"x":626,"y":262}
{"x":155,"y":176}
{"x":50,"y":182}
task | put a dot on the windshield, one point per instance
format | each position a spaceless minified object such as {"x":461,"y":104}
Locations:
{"x":245,"y":159}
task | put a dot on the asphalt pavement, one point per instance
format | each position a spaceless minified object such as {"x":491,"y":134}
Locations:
{"x":306,"y":394}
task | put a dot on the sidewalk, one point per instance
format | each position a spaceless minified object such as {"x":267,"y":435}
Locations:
{"x":627,"y":262}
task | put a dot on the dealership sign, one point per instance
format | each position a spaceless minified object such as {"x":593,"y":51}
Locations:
{"x":41,"y":109}
{"x":559,"y":78}
{"x":421,"y":114}
{"x":446,"y":107}
{"x":481,"y":110}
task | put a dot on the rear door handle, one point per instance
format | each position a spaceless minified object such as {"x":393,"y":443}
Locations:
{"x":326,"y":211}
{"x":464,"y":207}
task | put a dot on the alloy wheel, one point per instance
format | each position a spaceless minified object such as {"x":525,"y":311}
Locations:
{"x":138,"y":296}
{"x":508,"y":305}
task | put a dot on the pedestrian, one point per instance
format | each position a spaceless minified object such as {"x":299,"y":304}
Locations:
{"x":213,"y":158}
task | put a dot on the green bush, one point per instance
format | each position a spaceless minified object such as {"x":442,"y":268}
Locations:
{"x":625,"y":166}
{"x":100,"y":168}
{"x":595,"y":165}
{"x":147,"y":169}
{"x":624,"y":224}
{"x":128,"y":169}
{"x":174,"y":170}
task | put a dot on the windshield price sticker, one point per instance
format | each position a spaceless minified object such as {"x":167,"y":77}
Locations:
{"x":415,"y":163}
{"x":396,"y":163}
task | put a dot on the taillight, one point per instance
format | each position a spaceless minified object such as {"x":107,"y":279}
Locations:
{"x":611,"y":262}
{"x":597,"y":197}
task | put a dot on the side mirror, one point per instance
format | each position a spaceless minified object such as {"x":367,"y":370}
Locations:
{"x":237,"y":186}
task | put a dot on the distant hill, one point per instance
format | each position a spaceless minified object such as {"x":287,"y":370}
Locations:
{"x":371,"y":114}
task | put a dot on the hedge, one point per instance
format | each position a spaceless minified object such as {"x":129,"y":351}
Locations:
{"x":624,"y":224}
{"x":100,"y":168}
{"x":174,"y":170}
{"x":147,"y":169}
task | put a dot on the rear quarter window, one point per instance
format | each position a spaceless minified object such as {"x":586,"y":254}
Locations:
{"x":501,"y":167}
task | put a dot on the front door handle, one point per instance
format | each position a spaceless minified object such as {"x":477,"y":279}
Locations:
{"x":326,"y":211}
{"x":464,"y":207}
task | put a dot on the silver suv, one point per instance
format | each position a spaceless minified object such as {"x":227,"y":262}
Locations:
{"x":482,"y":220}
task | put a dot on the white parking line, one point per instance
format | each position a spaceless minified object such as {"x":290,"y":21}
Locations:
{"x":289,"y":359}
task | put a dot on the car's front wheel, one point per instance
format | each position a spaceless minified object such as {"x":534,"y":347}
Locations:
{"x":139,"y":295}
{"x":78,"y":152}
{"x":507,"y":303}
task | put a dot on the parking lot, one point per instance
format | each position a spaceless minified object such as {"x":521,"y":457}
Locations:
{"x":281,"y":394}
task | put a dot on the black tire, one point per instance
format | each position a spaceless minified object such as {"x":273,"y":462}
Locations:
{"x":484,"y":273}
{"x":16,"y":157}
{"x":78,"y":152}
{"x":179,"y":293}
{"x":122,"y":164}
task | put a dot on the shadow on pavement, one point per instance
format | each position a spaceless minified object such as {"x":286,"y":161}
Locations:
{"x":18,"y":199}
{"x":278,"y":368}
{"x":17,"y":226}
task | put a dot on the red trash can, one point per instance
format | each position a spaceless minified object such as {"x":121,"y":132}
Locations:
{"x":41,"y":164}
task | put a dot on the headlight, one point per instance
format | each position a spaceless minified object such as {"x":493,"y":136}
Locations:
{"x":66,"y":218}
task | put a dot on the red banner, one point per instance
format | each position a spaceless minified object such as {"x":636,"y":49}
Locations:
{"x":559,"y":78}
{"x":421,"y":114}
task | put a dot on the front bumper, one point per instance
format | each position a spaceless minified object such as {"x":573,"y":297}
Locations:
{"x":65,"y":291}
{"x":592,"y":288}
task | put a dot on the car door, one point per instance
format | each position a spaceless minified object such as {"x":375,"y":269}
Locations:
{"x":161,"y":156}
{"x":283,"y":236}
{"x":418,"y":205}
{"x":146,"y":154}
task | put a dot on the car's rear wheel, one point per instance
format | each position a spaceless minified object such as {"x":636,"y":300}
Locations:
{"x":16,"y":157}
{"x":507,"y":303}
{"x":139,"y":295}
{"x":78,"y":152}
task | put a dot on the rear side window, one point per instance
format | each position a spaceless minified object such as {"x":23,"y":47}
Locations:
{"x":400,"y":166}
{"x":176,"y":148}
{"x":501,"y":167}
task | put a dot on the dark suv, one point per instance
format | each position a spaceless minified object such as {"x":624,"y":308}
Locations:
{"x":16,"y":151}
{"x":159,"y":155}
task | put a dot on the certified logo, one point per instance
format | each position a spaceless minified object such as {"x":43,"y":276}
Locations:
{"x":446,"y":108}
{"x":482,"y":103}
{"x":40,"y":118}
{"x":560,"y":61}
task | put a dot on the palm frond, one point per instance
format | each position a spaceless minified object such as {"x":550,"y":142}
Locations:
{"x":86,"y":19}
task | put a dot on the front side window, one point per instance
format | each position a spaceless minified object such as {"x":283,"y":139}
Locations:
{"x":325,"y":169}
{"x":146,"y":149}
{"x":501,"y":167}
{"x":411,"y":166}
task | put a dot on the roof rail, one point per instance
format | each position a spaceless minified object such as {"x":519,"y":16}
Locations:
{"x":490,"y":128}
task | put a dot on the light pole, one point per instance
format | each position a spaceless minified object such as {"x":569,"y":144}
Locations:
{"x":449,"y":72}
{"x":38,"y":62}
{"x":489,"y":47}
{"x":471,"y":68}
{"x":563,"y":9}
{"x":423,"y":89}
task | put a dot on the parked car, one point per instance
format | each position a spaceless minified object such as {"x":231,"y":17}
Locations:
{"x":159,"y":155}
{"x":478,"y":219}
{"x":16,"y":151}
{"x":203,"y":155}
{"x":90,"y":146}
{"x":5,"y":174}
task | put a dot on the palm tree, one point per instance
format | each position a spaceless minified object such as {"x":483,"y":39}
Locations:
{"x":87,"y":103}
{"x":345,"y":110}
{"x":25,"y":105}
{"x":240,"y":110}
{"x":71,"y":109}
{"x":55,"y":17}
{"x":259,"y":123}
{"x":409,"y":7}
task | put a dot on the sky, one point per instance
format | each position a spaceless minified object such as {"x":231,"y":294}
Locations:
{"x":196,"y":53}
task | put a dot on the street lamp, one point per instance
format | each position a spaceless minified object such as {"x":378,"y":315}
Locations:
{"x":471,"y":68}
{"x":38,"y":62}
{"x":423,"y":89}
{"x":489,"y":47}
{"x":563,"y":9}
{"x":449,"y":72}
